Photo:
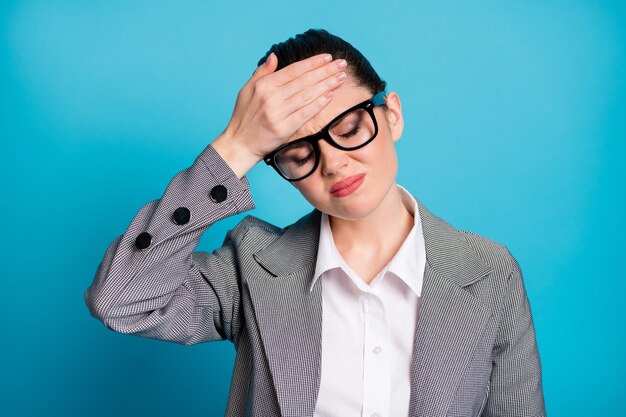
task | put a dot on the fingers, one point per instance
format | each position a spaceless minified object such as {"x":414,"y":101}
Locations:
{"x":280,"y":102}
{"x":309,"y":94}
{"x":312,"y":77}
{"x":268,"y":67}
{"x":298,"y":68}
{"x":302,"y":115}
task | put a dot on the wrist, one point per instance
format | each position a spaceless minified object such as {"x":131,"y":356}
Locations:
{"x":239,"y":158}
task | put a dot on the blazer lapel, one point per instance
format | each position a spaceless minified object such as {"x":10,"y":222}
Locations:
{"x":451,"y":320}
{"x":290,"y":316}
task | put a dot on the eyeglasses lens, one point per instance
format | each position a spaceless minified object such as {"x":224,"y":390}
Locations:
{"x":350,"y":132}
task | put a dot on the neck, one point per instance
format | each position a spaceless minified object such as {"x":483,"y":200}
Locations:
{"x":380,"y":234}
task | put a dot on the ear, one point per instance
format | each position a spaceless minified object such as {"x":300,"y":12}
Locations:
{"x":394,"y":115}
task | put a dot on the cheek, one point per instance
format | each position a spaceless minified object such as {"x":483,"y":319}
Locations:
{"x":380,"y":156}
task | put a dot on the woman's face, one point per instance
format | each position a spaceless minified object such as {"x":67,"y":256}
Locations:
{"x":376,"y":162}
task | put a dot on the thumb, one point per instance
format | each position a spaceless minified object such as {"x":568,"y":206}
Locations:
{"x":269,"y":66}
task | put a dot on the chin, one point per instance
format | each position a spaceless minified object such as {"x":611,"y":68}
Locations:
{"x":349,"y":209}
{"x":353,"y":207}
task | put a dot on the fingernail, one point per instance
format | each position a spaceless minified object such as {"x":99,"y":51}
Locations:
{"x":267,"y":61}
{"x":327,"y":57}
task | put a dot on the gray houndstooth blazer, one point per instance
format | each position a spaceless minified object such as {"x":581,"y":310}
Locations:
{"x":474,"y":354}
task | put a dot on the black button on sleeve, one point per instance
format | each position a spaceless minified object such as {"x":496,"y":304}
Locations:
{"x":219,"y":193}
{"x":181,"y":216}
{"x":143,"y":240}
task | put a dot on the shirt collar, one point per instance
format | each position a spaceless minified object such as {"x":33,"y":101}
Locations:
{"x":408,"y":263}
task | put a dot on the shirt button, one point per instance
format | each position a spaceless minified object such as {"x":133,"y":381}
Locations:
{"x":218,"y":193}
{"x":376,"y":351}
{"x":143,"y":240}
{"x":181,"y":216}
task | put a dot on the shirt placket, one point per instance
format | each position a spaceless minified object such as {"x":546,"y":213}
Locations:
{"x":376,"y":365}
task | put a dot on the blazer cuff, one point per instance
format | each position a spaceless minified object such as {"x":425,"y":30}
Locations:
{"x":195,"y":198}
{"x":222,"y":173}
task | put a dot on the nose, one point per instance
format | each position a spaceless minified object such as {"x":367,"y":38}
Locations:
{"x":332,"y":160}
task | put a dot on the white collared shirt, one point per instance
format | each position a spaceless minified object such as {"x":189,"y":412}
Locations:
{"x":368,"y":330}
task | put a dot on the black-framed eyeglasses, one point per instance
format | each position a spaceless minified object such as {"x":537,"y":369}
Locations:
{"x":351,"y":130}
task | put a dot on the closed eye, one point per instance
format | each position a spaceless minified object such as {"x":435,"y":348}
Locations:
{"x":350,"y":133}
{"x":300,"y":162}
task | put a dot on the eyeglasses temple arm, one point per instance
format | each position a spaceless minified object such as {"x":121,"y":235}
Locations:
{"x":379,"y":98}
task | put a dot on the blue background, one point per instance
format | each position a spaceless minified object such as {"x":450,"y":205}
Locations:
{"x":514,"y":129}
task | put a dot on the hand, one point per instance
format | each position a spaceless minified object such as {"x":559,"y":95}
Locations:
{"x":272,"y":106}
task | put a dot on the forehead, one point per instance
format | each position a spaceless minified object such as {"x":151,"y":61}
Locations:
{"x":344,"y":97}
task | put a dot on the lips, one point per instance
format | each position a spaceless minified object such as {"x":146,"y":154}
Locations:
{"x":345,"y":183}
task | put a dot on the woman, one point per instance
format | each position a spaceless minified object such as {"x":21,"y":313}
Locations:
{"x":370,"y":305}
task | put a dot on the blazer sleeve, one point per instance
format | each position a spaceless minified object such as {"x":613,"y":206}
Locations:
{"x":515,"y":387}
{"x":165,"y":290}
